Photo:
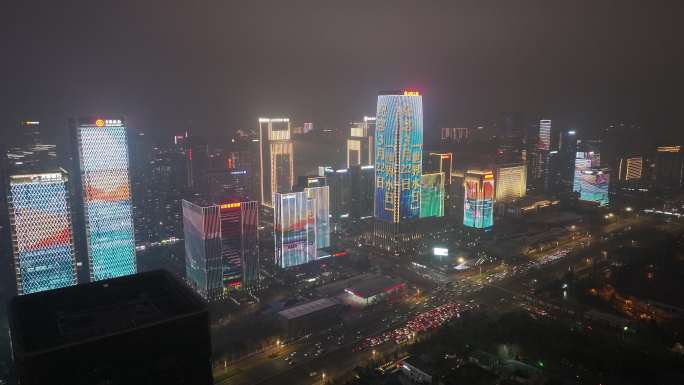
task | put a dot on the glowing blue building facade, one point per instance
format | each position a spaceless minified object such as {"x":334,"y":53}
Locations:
{"x":398,"y":156}
{"x":105,"y":192}
{"x":42,"y":232}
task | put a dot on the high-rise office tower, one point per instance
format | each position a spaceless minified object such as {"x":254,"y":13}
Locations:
{"x":511,"y":182}
{"x":221,"y":245}
{"x":443,"y":162}
{"x":360,"y":146}
{"x":398,"y":156}
{"x":362,"y":187}
{"x":321,"y":197}
{"x":197,"y":156}
{"x":544,"y":142}
{"x":340,"y":183}
{"x":42,"y":232}
{"x":567,"y":149}
{"x":276,"y":156}
{"x":432,"y":195}
{"x":103,"y":191}
{"x":630,"y":169}
{"x":478,"y":210}
{"x":294,"y":227}
{"x":669,"y":167}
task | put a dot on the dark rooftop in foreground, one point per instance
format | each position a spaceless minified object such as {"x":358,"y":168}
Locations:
{"x":52,"y":319}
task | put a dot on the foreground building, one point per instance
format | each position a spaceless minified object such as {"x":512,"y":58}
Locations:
{"x":221,"y":246}
{"x":478,"y":210}
{"x":103,"y":190}
{"x":145,"y":328}
{"x":42,"y":232}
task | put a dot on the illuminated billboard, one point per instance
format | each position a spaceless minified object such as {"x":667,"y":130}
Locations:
{"x":398,"y":156}
{"x":594,"y":184}
{"x":294,"y":227}
{"x":479,"y":199}
{"x":42,"y":240}
{"x":440,"y":252}
{"x":104,"y":182}
{"x":432,"y":195}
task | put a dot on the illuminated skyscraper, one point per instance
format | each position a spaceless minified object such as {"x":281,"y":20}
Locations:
{"x":432,"y":195}
{"x":594,"y":184}
{"x":442,"y":162}
{"x":276,"y":158}
{"x":479,"y":199}
{"x":630,"y":169}
{"x":104,"y":190}
{"x":544,"y":142}
{"x":294,"y":227}
{"x":360,"y":144}
{"x":511,"y":182}
{"x":584,"y":161}
{"x":42,"y":235}
{"x":398,"y":156}
{"x":221,"y":246}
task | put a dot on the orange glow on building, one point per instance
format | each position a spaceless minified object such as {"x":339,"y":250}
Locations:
{"x":100,"y":122}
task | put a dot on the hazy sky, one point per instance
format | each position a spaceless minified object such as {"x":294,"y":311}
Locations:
{"x":222,"y":64}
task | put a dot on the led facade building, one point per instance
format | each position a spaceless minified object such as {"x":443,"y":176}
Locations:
{"x":42,"y":235}
{"x":511,"y":182}
{"x":478,"y":202}
{"x":104,"y":188}
{"x":544,"y":142}
{"x":432,"y":195}
{"x":294,"y":227}
{"x":584,"y":161}
{"x":360,"y":148}
{"x":221,"y":246}
{"x":276,"y":156}
{"x":398,"y":156}
{"x":594,"y":184}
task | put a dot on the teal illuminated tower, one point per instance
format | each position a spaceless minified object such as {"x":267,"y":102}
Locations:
{"x":104,"y":191}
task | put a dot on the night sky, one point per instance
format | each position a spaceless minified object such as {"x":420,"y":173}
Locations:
{"x":217,"y":66}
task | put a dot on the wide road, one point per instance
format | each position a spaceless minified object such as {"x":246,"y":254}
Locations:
{"x":339,"y":360}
